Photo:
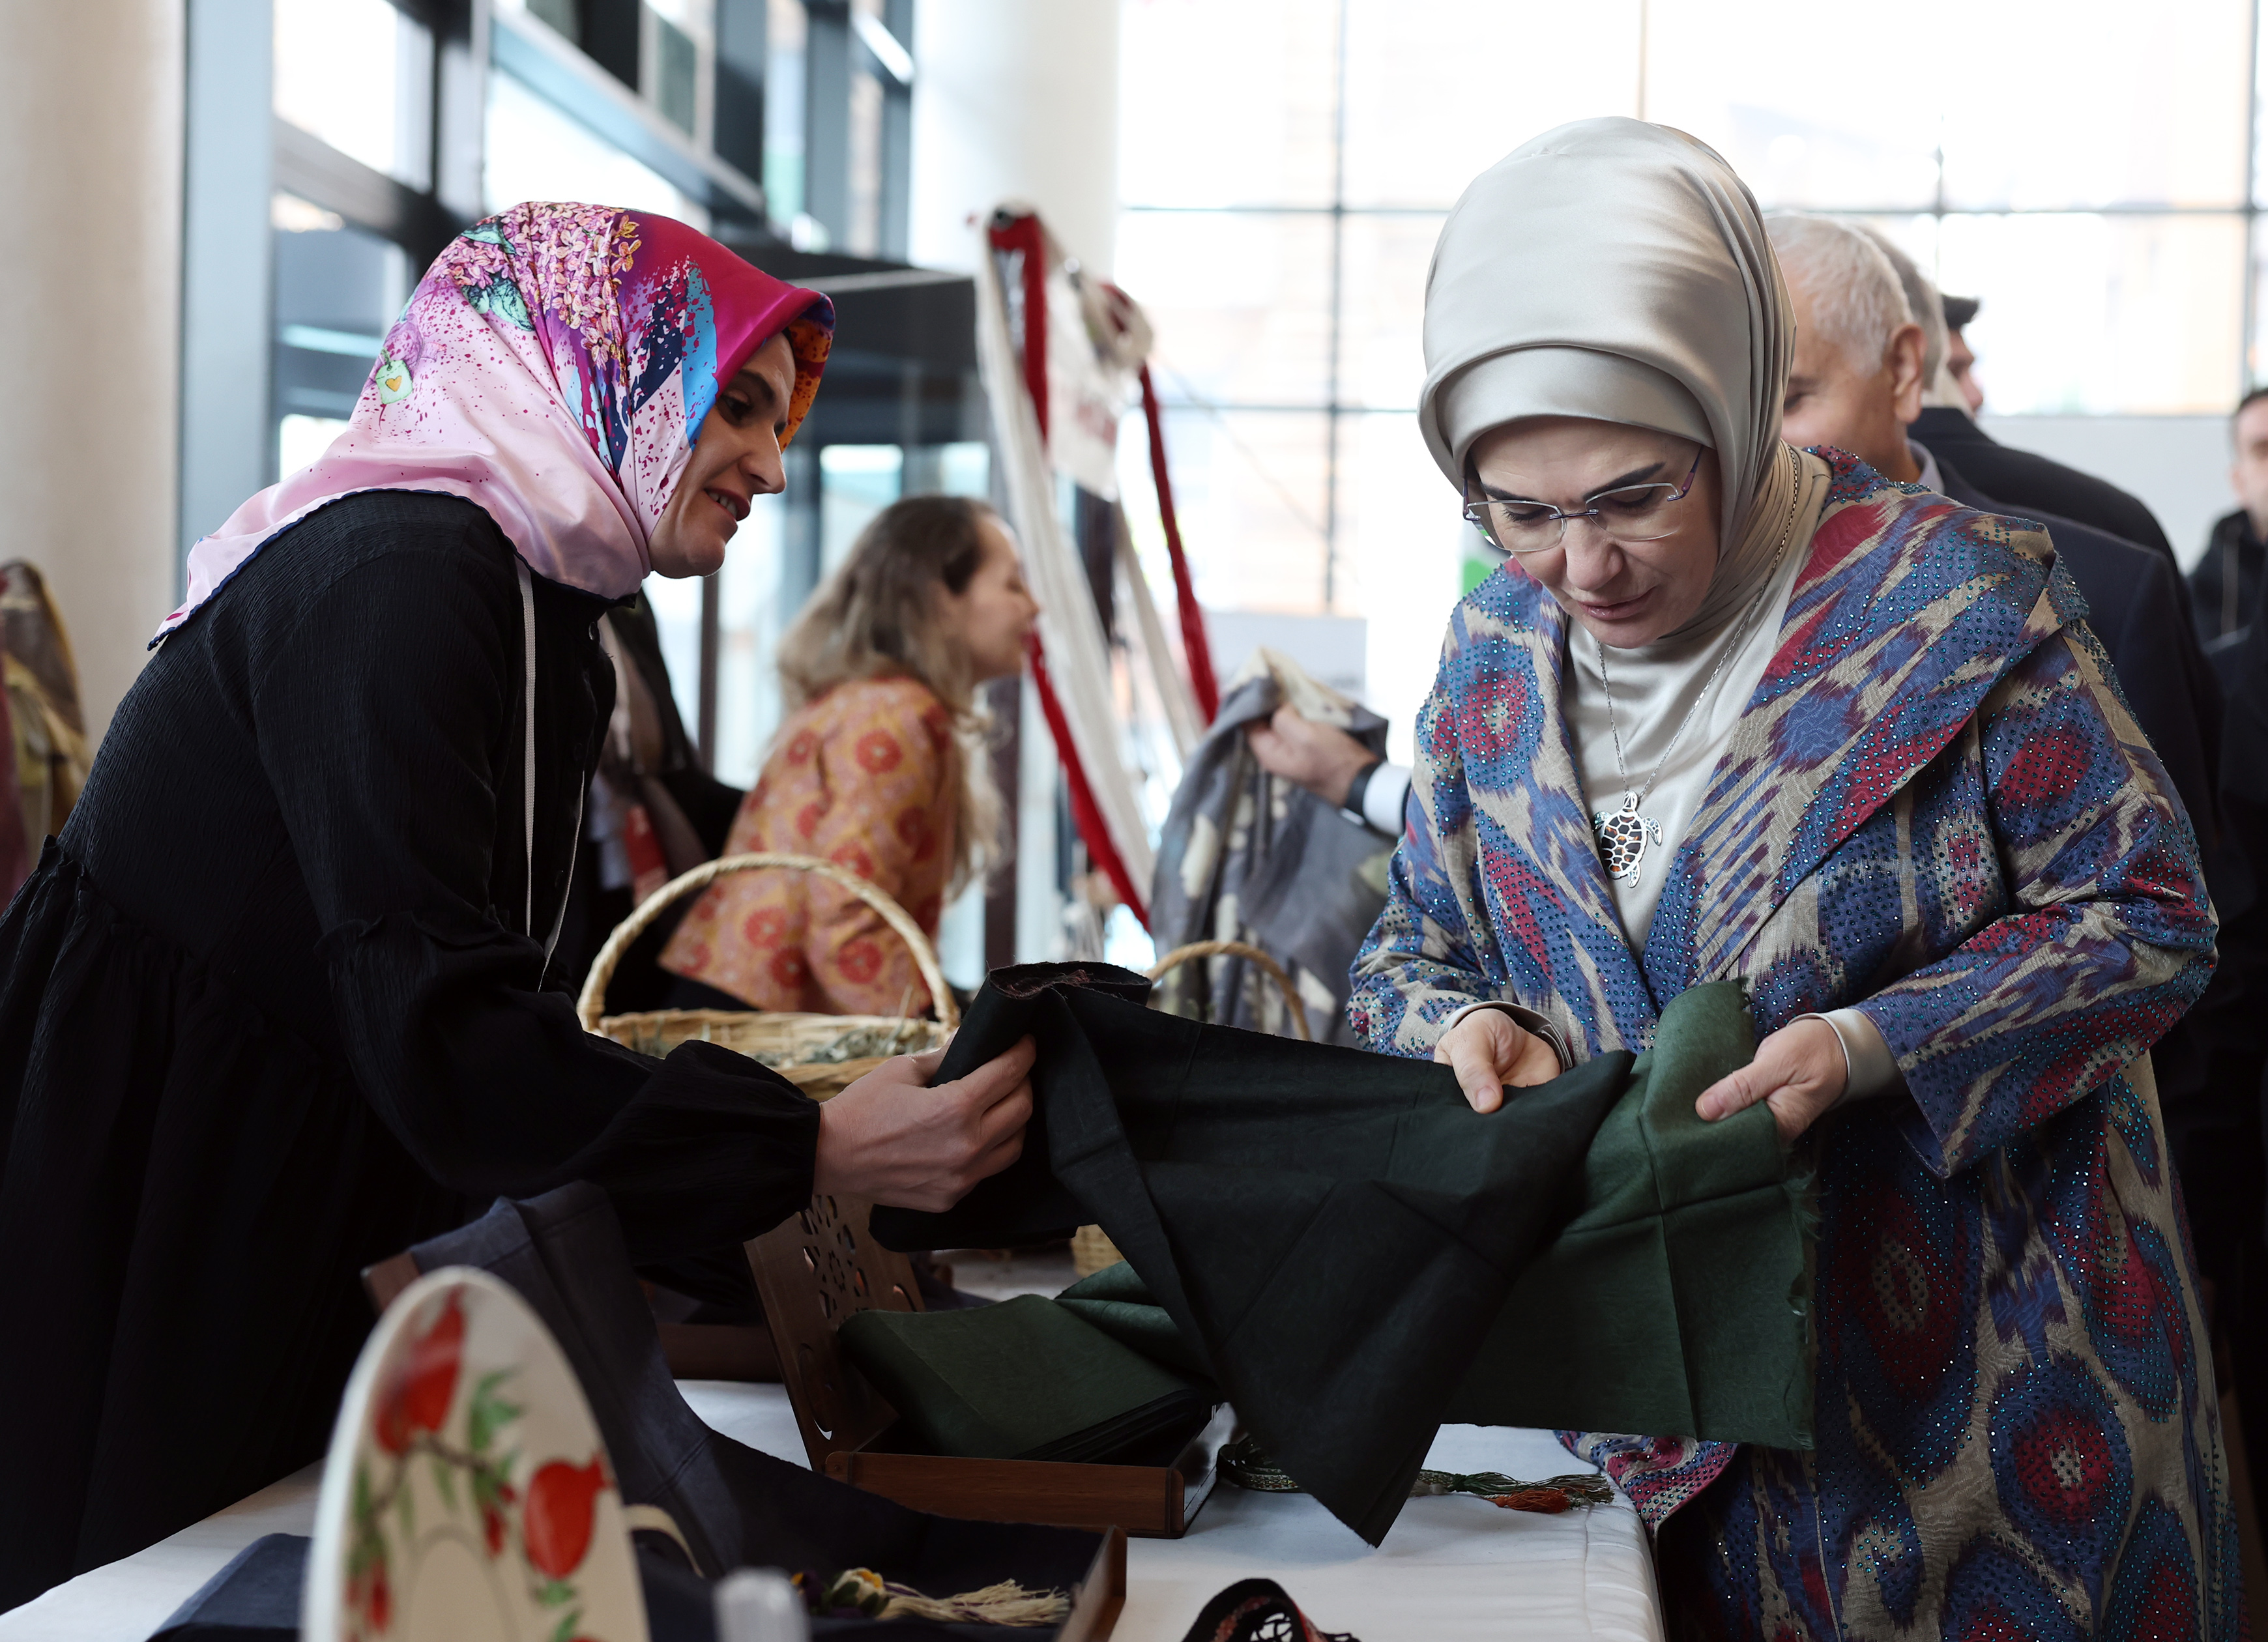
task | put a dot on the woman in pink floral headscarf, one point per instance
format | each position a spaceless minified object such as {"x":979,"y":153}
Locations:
{"x":273,"y":1007}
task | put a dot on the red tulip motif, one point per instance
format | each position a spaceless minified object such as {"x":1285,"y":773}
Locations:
{"x":556,"y":1526}
{"x":422,"y":1381}
{"x":368,"y":1592}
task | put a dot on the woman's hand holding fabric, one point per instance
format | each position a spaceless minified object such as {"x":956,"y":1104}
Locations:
{"x":1799,"y":1072}
{"x":891,"y":1138}
{"x":1489,"y":1049}
{"x":1321,"y":757}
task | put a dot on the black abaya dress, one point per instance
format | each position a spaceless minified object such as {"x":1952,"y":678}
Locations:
{"x":270,"y":1011}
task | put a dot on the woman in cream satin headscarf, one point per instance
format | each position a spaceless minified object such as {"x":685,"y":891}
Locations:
{"x":1736,"y":711}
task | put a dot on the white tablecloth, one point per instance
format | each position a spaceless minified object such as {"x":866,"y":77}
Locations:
{"x":1452,"y":1567}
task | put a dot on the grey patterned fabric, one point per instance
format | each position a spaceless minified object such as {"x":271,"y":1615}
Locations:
{"x":1249,"y":857}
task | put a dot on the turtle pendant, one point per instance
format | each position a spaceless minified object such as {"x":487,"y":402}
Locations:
{"x":1624,"y":838}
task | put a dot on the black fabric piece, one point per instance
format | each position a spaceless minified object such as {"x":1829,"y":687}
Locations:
{"x":1677,"y":1301}
{"x":1335,"y":1231}
{"x":2225,"y":583}
{"x":737,"y":1508}
{"x":270,"y":1013}
{"x":2024,"y":480}
{"x":255,"y":1598}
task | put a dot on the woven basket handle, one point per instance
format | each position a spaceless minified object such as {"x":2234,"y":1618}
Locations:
{"x":592,"y":1004}
{"x":1251,"y":954}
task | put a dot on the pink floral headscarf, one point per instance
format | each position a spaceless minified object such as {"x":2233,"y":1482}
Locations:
{"x":553,"y":366}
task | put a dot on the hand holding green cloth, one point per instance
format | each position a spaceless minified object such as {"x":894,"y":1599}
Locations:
{"x":1332,"y":1233}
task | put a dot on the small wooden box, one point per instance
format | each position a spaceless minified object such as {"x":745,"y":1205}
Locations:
{"x":815,"y":1270}
{"x":1148,"y":1501}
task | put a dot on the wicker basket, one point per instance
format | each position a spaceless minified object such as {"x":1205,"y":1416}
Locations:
{"x":1090,"y":1250}
{"x":823,"y":1055}
{"x":1292,"y":1007}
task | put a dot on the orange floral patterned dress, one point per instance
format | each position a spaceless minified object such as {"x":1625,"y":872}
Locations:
{"x":864,"y":777}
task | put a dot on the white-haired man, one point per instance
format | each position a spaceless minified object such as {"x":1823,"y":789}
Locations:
{"x":1860,"y":360}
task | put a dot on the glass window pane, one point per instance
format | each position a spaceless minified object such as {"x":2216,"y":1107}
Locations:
{"x":787,"y":30}
{"x":337,"y":290}
{"x":1403,"y":547}
{"x":676,"y":75}
{"x":1242,"y":303}
{"x":1803,"y":127}
{"x":2114,"y":104}
{"x":1230,"y":102}
{"x":864,"y":237}
{"x":537,"y":153}
{"x":856,"y":482}
{"x":1249,"y":489}
{"x":359,"y":75}
{"x":1424,"y":117}
{"x":2087,"y":315}
{"x":2119,"y":105}
{"x":1382,"y":296}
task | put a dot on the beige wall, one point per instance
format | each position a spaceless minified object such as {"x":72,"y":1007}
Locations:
{"x":91,"y":182}
{"x":1015,"y":100}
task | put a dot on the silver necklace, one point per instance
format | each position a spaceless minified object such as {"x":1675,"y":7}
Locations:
{"x":1625,"y":834}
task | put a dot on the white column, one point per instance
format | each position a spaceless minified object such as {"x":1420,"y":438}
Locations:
{"x":1017,"y":101}
{"x":91,"y":98}
{"x":1014,"y":99}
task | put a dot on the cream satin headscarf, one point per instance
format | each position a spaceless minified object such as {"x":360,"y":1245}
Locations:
{"x":1620,"y":271}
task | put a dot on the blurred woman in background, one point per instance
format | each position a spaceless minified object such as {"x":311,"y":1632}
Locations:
{"x":880,"y":768}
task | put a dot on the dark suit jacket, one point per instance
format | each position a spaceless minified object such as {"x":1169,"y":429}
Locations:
{"x":2032,"y":483}
{"x":2226,"y":584}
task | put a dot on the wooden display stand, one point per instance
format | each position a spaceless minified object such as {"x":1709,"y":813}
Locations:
{"x":818,"y":1268}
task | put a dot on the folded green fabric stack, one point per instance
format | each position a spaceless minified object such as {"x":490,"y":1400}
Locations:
{"x":1353,"y":1256}
{"x":1025,"y":1379}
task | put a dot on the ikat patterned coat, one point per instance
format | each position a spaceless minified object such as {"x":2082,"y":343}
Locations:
{"x":1936,"y":807}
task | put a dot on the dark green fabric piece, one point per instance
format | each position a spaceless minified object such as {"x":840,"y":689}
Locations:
{"x":1330,"y":1231}
{"x":1025,"y":1379}
{"x":1115,"y":1301}
{"x":1677,"y":1301}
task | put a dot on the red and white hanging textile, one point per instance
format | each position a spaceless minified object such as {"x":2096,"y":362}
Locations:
{"x":1070,"y":655}
{"x":1059,"y":382}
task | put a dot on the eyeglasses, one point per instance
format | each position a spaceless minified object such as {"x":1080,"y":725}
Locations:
{"x":1634,"y":513}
